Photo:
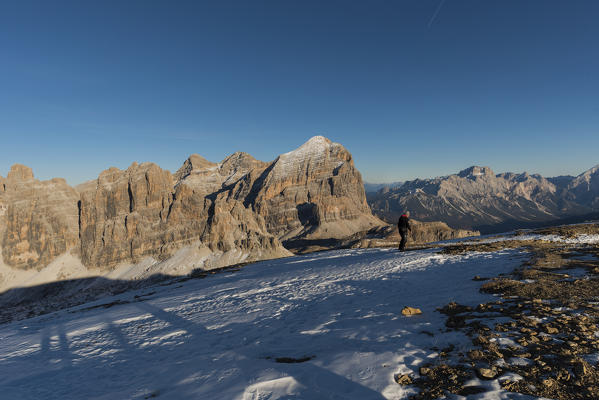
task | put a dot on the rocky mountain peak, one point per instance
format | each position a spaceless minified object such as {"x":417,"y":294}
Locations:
{"x":314,"y":146}
{"x":239,"y":160}
{"x":19,"y":173}
{"x":317,"y":141}
{"x":585,"y":187}
{"x":475,"y":171}
{"x":109,"y":176}
{"x":589,"y":174}
{"x":195,"y":162}
{"x":238,"y":164}
{"x":313,"y":155}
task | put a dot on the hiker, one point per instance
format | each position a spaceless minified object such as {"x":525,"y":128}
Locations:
{"x":403,"y":225}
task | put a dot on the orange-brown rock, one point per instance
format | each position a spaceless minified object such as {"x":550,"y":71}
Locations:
{"x":139,"y":212}
{"x":124,"y":217}
{"x":38,"y":219}
{"x":313,"y":192}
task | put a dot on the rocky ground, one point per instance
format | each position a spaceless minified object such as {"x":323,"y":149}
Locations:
{"x":540,"y":336}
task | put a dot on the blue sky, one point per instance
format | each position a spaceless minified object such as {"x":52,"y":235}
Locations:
{"x":412,"y":88}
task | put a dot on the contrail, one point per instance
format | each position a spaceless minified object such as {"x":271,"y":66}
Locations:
{"x":436,"y":13}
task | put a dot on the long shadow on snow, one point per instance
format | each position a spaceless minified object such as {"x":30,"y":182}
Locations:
{"x":128,"y":356}
{"x":59,"y":373}
{"x":367,"y":321}
{"x":26,"y":302}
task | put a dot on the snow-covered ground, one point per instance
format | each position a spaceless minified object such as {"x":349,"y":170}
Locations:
{"x":219,"y":337}
{"x":580,"y":239}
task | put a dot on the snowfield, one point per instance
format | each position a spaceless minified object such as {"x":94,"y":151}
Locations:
{"x":220,"y":337}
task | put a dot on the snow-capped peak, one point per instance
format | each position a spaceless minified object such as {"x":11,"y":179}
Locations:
{"x":314,"y":151}
{"x":314,"y":145}
{"x":591,"y":171}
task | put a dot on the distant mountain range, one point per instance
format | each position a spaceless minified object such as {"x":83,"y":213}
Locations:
{"x":375,"y":187}
{"x":477,"y":198}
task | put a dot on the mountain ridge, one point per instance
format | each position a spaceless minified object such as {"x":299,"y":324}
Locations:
{"x":144,"y":220}
{"x":477,"y":197}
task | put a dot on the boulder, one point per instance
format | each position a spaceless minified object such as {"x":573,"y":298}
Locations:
{"x":409,"y":311}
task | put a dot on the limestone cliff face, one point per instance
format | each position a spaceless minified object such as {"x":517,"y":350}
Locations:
{"x":38,"y":219}
{"x":139,"y":212}
{"x":312,"y":192}
{"x":124,"y":217}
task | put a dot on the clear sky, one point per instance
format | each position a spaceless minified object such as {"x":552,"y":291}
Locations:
{"x":416,"y":88}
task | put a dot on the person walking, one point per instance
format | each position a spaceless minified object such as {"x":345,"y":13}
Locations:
{"x":403,"y":226}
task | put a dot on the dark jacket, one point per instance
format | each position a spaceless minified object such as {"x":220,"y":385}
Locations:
{"x":404,"y":223}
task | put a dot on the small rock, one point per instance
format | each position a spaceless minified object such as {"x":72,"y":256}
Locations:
{"x":548,"y":383}
{"x":486,"y":373}
{"x":476,"y":355}
{"x":551,"y":330}
{"x":409,"y":311}
{"x":481,"y":340}
{"x":403,"y":379}
{"x":424,"y":371}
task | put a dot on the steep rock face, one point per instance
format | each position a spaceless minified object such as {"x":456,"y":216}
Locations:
{"x":477,"y":197}
{"x":585,"y":188}
{"x":312,"y":192}
{"x":139,"y":212}
{"x":123,"y":218}
{"x":38,"y":219}
{"x":237,"y":165}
